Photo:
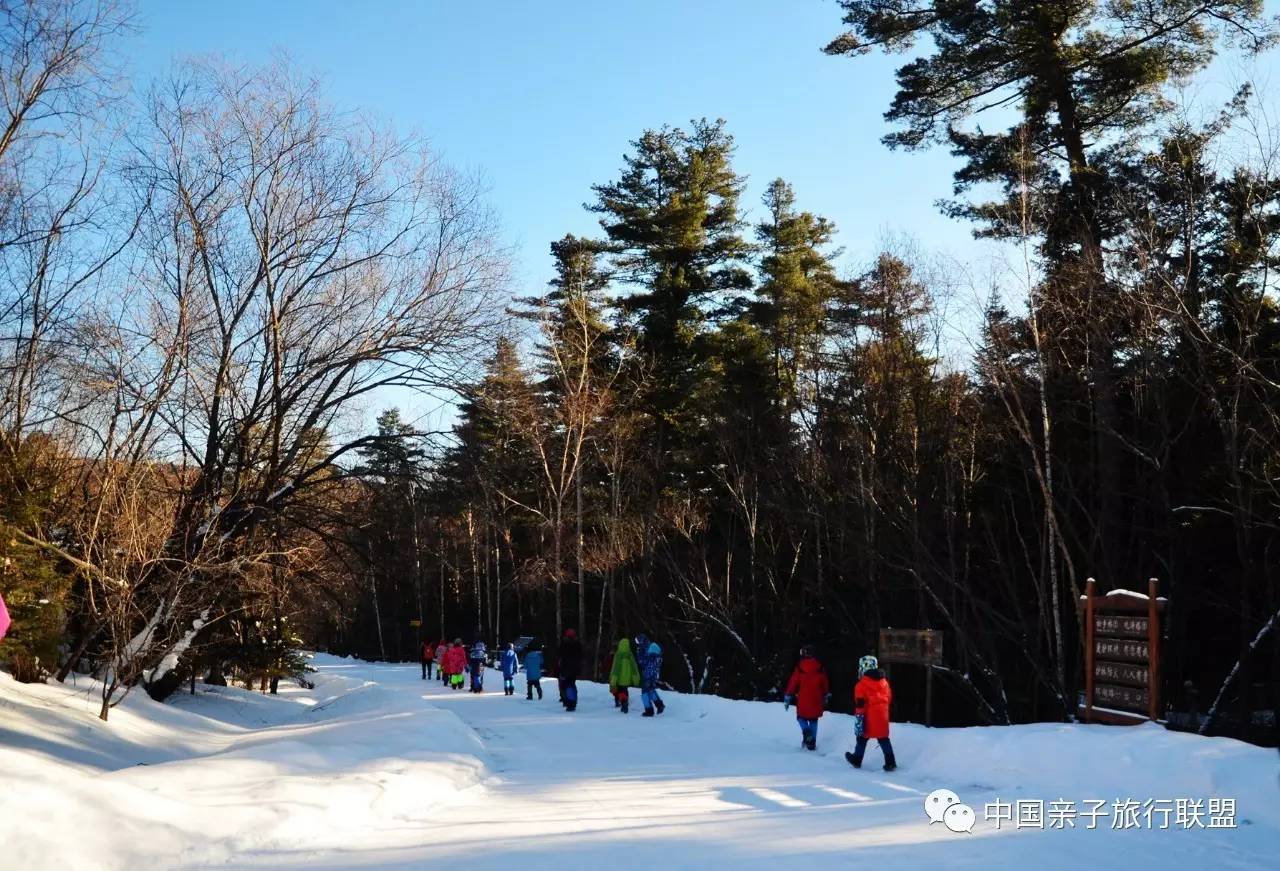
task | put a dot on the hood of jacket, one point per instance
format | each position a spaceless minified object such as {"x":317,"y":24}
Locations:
{"x":873,"y":674}
{"x":809,"y":665}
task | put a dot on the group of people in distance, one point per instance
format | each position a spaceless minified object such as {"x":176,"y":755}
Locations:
{"x":809,"y":688}
{"x":453,"y":662}
{"x":810,"y":691}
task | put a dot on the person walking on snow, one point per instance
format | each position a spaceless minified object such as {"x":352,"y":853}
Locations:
{"x":457,"y":661}
{"x":568,"y":668}
{"x":441,"y":649}
{"x":442,"y":660}
{"x":510,"y":665}
{"x":533,"y":670}
{"x":649,"y":658}
{"x":871,"y":698}
{"x":428,"y":657}
{"x":623,"y":674}
{"x":809,"y":690}
{"x":479,"y":653}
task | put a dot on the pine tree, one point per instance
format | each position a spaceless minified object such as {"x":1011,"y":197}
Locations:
{"x":797,"y":283}
{"x":675,"y":232}
{"x":36,"y":584}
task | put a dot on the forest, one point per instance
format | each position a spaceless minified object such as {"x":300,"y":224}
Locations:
{"x":706,"y":426}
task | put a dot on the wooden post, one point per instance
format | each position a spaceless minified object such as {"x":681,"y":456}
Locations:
{"x":928,"y":694}
{"x":1088,"y":649}
{"x":1153,"y":651}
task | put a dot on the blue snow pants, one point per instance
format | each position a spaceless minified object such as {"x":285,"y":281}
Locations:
{"x":860,"y":748}
{"x":808,"y":728}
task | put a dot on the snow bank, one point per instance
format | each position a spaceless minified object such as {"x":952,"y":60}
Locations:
{"x":221,"y":775}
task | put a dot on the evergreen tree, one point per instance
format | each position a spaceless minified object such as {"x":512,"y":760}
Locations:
{"x":675,"y":232}
{"x":797,"y":284}
{"x":36,"y":584}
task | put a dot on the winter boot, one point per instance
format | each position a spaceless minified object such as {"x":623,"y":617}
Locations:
{"x":891,"y":766}
{"x":852,"y":760}
{"x":648,"y":712}
{"x":626,"y":706}
{"x":659,"y":705}
{"x":811,"y":743}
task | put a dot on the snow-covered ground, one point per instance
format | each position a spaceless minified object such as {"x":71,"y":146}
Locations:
{"x":375,"y":768}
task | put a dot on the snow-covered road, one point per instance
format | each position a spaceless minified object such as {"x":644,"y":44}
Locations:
{"x":714,"y":783}
{"x":694,"y":788}
{"x":379,"y":769}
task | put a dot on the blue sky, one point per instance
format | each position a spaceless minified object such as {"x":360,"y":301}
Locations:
{"x":543,"y":98}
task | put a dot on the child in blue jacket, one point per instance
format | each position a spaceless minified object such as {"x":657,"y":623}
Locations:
{"x":649,"y":658}
{"x":533,"y":670}
{"x":479,"y":653}
{"x":510,"y":664}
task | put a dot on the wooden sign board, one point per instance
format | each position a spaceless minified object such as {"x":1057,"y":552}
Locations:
{"x":415,"y":623}
{"x":1121,"y":655}
{"x":918,"y":646}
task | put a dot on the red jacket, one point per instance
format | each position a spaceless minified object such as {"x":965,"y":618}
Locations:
{"x":455,"y":660}
{"x":871,"y":698}
{"x":428,"y":651}
{"x":809,"y":686}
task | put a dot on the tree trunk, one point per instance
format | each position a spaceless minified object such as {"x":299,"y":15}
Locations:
{"x":556,"y":535}
{"x":582,"y":587}
{"x":475,"y":563}
{"x":377,"y":612}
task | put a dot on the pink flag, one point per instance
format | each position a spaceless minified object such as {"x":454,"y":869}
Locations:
{"x":4,"y":618}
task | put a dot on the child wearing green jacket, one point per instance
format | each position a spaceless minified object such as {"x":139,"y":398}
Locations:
{"x":624,"y":675}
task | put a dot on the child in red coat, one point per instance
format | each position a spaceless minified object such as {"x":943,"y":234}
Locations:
{"x":428,"y":658}
{"x":809,"y":691}
{"x":456,"y":661}
{"x":871,"y":698}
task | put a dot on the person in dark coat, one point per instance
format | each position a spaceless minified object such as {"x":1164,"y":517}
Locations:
{"x":568,"y":667}
{"x":479,"y":653}
{"x":809,"y":690}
